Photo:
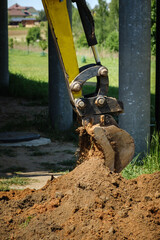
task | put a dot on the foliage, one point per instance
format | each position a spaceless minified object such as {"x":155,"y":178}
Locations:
{"x":100,"y":16}
{"x":43,"y":44}
{"x":106,"y":18}
{"x":112,"y":41}
{"x":149,"y":164}
{"x":33,"y":34}
{"x":42,"y":16}
{"x":77,"y":28}
{"x":153,"y":26}
{"x":113,"y":17}
{"x":11,"y":43}
{"x":9,"y":19}
{"x":20,"y":25}
{"x":82,"y":42}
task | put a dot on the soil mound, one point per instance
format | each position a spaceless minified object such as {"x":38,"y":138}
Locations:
{"x":89,"y":203}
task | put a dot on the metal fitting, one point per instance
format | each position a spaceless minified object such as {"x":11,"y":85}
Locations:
{"x":80,"y":104}
{"x":100,"y":101}
{"x":103,"y":72}
{"x":76,"y":87}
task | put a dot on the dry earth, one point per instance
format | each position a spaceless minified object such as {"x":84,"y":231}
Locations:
{"x":89,"y":203}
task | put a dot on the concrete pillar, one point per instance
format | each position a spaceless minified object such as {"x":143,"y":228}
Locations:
{"x":60,"y":109}
{"x":134,"y":69}
{"x":4,"y":76}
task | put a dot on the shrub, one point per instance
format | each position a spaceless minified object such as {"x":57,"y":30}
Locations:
{"x":43,"y":44}
{"x":20,"y":25}
{"x":112,"y":41}
{"x":33,"y":34}
{"x":11,"y":43}
{"x":82,"y":42}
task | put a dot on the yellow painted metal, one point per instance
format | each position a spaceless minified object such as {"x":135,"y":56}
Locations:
{"x":57,"y":13}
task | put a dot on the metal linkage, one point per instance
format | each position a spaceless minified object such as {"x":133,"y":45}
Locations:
{"x":99,"y":103}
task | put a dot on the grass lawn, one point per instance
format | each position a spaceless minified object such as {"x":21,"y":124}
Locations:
{"x":31,"y":66}
{"x":35,"y":67}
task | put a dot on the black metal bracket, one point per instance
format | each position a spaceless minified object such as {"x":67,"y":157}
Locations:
{"x":99,"y":104}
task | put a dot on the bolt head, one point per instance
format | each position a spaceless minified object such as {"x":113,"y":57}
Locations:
{"x":76,"y":87}
{"x":103,"y":72}
{"x":100,"y":101}
{"x":80,"y":104}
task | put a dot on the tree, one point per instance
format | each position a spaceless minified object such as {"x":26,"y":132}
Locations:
{"x":33,"y":34}
{"x":43,"y":44}
{"x":42,"y":16}
{"x":112,"y":41}
{"x":113,"y":19}
{"x":28,"y":43}
{"x":9,"y":19}
{"x":77,"y":28}
{"x":82,"y":41}
{"x":100,"y":16}
{"x":11,"y":43}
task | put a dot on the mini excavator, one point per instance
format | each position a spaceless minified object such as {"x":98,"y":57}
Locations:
{"x":95,"y":110}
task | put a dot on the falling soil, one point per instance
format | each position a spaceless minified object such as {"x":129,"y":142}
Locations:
{"x":86,"y":204}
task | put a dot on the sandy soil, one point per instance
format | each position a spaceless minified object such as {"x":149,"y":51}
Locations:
{"x":89,"y":203}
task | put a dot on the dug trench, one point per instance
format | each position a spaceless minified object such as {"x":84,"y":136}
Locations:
{"x":88,"y":203}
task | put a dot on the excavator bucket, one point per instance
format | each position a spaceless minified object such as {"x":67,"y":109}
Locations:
{"x":111,"y":143}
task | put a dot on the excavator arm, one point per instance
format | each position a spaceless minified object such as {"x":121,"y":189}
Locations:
{"x":95,"y":110}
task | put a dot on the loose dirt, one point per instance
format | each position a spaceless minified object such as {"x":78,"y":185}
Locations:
{"x":88,"y":203}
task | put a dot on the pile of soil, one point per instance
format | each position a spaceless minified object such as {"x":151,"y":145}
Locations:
{"x":88,"y":203}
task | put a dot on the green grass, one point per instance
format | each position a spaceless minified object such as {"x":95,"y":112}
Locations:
{"x":5,"y":184}
{"x":29,"y":76}
{"x":34,"y":67}
{"x":31,"y":66}
{"x":148,"y":164}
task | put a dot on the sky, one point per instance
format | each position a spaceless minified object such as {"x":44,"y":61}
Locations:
{"x":37,"y":4}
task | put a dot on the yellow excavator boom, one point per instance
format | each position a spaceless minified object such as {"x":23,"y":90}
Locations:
{"x":58,"y":17}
